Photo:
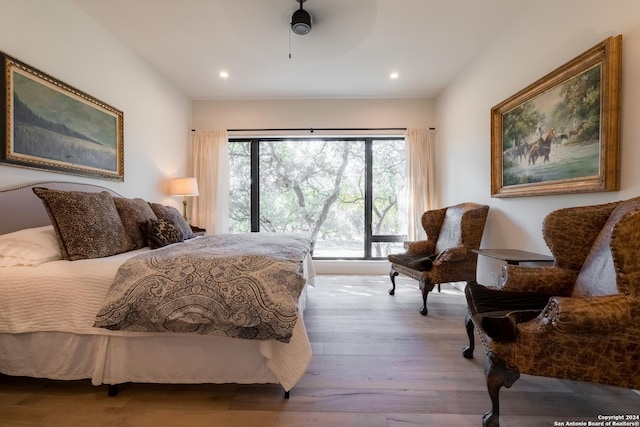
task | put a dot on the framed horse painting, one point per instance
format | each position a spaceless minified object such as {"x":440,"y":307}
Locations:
{"x":561,"y":133}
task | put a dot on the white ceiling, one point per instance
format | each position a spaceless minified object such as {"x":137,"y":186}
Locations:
{"x":350,"y":52}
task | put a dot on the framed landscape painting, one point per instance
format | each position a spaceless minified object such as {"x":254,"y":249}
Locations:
{"x":50,"y":125}
{"x":561,"y":134}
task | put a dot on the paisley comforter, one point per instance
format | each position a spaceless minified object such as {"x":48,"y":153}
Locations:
{"x":236,"y":285}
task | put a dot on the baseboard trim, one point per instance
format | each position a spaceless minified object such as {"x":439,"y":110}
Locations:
{"x":355,"y":267}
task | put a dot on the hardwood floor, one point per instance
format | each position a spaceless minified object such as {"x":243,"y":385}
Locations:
{"x":377,"y":363}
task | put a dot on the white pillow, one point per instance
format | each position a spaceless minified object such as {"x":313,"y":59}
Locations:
{"x":29,"y":247}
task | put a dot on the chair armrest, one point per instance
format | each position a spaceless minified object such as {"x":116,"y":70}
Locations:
{"x":544,"y":280}
{"x":600,"y":314}
{"x":458,"y":253}
{"x":420,"y":247}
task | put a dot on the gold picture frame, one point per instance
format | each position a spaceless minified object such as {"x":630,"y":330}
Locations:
{"x":561,"y":133}
{"x":49,"y":125}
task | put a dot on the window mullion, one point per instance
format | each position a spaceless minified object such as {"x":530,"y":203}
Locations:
{"x":255,"y":185}
{"x":368,"y":197}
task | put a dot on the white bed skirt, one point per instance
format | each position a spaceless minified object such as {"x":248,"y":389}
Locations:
{"x":157,"y":357}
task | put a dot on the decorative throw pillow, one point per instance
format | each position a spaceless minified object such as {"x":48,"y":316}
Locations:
{"x":159,"y":233}
{"x":171,"y":214}
{"x":133,"y":212}
{"x":87,"y":224}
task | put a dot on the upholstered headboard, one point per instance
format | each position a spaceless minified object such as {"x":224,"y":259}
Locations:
{"x":20,"y":208}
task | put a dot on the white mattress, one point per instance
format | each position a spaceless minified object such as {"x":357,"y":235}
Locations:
{"x":61,"y":296}
{"x":46,"y":330}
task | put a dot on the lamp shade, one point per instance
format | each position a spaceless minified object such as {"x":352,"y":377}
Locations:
{"x":183,"y":187}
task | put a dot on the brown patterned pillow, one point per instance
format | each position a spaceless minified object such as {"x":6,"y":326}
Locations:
{"x":133,"y":212}
{"x":159,"y":233}
{"x":171,"y":214}
{"x":87,"y":224}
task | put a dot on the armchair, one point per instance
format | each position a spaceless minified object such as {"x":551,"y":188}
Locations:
{"x":580,"y":317}
{"x":446,"y":254}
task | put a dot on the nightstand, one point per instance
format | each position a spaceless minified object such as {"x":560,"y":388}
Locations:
{"x":197,"y":231}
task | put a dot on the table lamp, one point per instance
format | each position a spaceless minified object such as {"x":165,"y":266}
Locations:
{"x":186,"y":187}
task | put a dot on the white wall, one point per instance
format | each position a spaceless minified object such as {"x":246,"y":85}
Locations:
{"x":546,"y":36}
{"x":315,"y":113}
{"x":56,"y":37}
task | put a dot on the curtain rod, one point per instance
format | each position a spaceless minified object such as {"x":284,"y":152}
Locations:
{"x":311,"y":130}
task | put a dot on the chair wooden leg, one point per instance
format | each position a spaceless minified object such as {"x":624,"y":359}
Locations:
{"x":392,"y":275}
{"x":467,"y":352}
{"x":425,"y":287}
{"x":497,"y":376}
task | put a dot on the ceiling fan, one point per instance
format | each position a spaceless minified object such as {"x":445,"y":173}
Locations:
{"x":342,"y":25}
{"x":301,"y":20}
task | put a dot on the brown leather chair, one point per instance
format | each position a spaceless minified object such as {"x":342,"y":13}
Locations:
{"x":446,"y":254}
{"x":577,"y":320}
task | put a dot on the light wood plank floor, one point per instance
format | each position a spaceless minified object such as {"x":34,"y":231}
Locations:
{"x":377,"y":363}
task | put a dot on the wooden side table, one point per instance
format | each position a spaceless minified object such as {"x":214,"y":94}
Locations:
{"x":513,"y":256}
{"x":197,"y":231}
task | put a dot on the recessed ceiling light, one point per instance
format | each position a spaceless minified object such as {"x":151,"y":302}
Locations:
{"x":394,"y":75}
{"x":223,"y":74}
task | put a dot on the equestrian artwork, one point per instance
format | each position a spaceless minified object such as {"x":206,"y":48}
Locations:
{"x":556,"y":135}
{"x":561,"y":133}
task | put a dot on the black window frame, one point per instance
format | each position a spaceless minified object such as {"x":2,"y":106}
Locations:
{"x":369,"y":237}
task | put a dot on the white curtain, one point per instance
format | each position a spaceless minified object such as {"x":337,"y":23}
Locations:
{"x":420,"y":177}
{"x":211,"y":168}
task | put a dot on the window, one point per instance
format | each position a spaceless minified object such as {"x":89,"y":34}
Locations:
{"x":347,"y":193}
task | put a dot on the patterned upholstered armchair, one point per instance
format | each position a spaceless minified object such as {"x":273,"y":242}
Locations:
{"x":586,"y":325}
{"x":446,"y":254}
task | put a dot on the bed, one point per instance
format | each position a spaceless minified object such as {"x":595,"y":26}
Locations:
{"x":49,"y":307}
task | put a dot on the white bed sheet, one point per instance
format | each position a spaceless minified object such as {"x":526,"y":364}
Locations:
{"x":46,"y":330}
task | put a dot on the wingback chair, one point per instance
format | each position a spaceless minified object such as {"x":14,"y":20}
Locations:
{"x":446,"y":254}
{"x":580,"y":318}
